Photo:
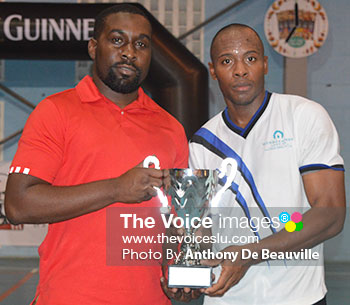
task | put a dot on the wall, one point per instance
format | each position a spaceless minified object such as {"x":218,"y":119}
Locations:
{"x":329,"y":84}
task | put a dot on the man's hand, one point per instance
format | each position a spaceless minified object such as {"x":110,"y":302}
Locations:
{"x":137,"y":184}
{"x":231,"y":272}
{"x":183,"y":295}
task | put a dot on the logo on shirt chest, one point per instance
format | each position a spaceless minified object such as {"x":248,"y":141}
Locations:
{"x":278,"y":141}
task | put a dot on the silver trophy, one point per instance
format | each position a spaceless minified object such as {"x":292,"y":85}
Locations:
{"x":192,"y":193}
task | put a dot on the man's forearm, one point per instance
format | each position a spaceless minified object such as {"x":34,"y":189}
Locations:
{"x":32,"y":200}
{"x":319,"y":224}
{"x":44,"y":203}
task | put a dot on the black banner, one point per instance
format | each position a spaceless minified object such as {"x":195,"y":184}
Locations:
{"x":46,"y":30}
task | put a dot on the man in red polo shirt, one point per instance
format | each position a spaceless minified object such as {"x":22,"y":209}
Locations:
{"x":78,"y":157}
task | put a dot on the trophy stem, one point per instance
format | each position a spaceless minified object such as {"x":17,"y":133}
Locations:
{"x":188,"y":250}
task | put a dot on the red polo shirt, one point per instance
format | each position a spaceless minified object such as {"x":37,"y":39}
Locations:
{"x":78,"y":136}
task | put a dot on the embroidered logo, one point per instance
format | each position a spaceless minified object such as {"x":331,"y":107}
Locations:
{"x":278,"y":141}
{"x":277,"y":135}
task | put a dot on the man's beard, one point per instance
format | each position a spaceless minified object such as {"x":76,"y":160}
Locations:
{"x":125,"y":84}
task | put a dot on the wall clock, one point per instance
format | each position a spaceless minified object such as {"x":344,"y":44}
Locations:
{"x":296,"y":28}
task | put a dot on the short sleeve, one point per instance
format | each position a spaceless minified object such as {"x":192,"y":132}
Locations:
{"x":40,"y":148}
{"x":318,"y":140}
{"x":195,"y":155}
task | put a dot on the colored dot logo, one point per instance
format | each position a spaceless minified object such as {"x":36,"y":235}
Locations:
{"x":292,"y":223}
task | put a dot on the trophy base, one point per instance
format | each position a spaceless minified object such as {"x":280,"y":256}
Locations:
{"x":189,"y":276}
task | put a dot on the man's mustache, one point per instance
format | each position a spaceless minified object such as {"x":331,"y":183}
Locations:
{"x":126,"y":62}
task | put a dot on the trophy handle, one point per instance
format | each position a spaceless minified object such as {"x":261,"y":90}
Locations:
{"x":222,"y":173}
{"x":165,"y":209}
{"x":151,"y":160}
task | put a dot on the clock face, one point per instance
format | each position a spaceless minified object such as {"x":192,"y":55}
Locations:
{"x":308,"y":36}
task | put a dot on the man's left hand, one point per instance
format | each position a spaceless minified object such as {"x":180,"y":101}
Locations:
{"x":231,"y":273}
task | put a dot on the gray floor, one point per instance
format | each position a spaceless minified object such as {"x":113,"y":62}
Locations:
{"x":18,"y":279}
{"x":338,"y":284}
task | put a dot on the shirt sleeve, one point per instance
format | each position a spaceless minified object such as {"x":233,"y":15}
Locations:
{"x":195,"y":155}
{"x":40,"y":148}
{"x":319,"y":141}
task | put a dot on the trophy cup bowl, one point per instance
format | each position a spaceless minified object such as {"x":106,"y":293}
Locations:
{"x":192,"y":192}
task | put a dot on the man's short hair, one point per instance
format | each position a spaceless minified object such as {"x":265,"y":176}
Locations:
{"x":100,"y":19}
{"x":235,"y":26}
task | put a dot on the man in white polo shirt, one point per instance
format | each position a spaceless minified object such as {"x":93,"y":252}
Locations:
{"x":287,"y":150}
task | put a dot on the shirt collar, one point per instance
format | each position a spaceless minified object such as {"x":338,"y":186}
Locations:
{"x":88,"y":93}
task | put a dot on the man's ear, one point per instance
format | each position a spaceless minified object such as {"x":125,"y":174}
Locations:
{"x":92,"y":48}
{"x":266,"y":65}
{"x":212,"y":71}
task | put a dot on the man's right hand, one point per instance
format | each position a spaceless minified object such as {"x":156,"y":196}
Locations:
{"x":137,"y":184}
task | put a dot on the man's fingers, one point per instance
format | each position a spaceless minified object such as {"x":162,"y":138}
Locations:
{"x":219,"y":293}
{"x":170,"y":292}
{"x":156,"y":173}
{"x":151,"y":192}
{"x":186,"y":297}
{"x":219,"y":288}
{"x":222,"y":282}
{"x":166,"y":181}
{"x":166,"y":174}
{"x":183,"y":295}
{"x":164,"y":287}
{"x":155,"y":182}
{"x":163,"y":283}
{"x":215,"y":288}
{"x":196,"y":293}
{"x":187,"y":290}
{"x":229,"y":277}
